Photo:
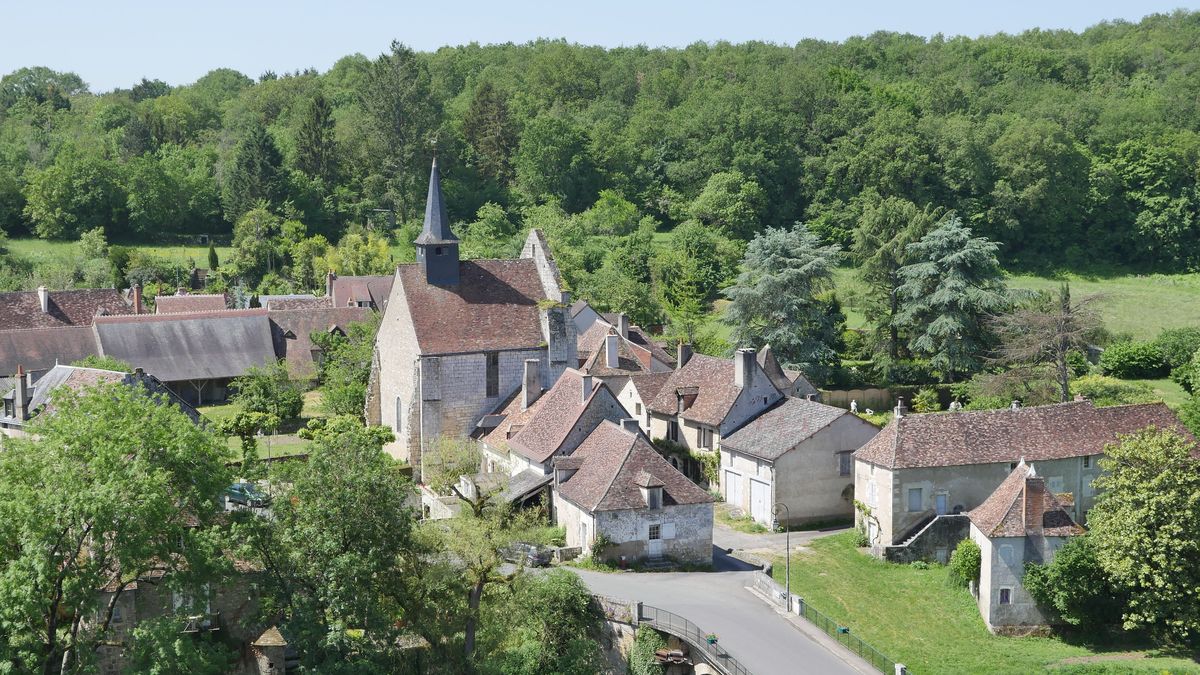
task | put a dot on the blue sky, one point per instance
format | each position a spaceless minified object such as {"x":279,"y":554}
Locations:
{"x":118,"y":42}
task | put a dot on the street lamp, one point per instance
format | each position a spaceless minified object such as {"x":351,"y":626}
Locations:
{"x":787,"y":542}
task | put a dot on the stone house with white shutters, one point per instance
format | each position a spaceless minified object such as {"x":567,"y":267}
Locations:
{"x":455,"y":335}
{"x":616,"y":484}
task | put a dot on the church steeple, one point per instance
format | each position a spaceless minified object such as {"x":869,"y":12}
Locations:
{"x":437,"y":247}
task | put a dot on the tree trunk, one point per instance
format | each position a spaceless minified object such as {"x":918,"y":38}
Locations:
{"x":473,"y":598}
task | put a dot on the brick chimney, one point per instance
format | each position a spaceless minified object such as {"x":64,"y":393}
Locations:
{"x":743,"y":367}
{"x":623,"y":325}
{"x":1035,"y":502}
{"x":683,"y":354}
{"x":611,"y":359}
{"x":531,"y":384}
{"x":586,"y":381}
{"x":329,"y":277}
{"x":21,"y":397}
{"x":44,"y":299}
{"x":137,"y":298}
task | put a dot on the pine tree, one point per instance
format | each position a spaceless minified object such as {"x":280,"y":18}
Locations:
{"x":254,"y":175}
{"x":948,"y":293}
{"x":213,"y":261}
{"x":316,"y":148}
{"x":490,"y":133}
{"x":779,"y":298}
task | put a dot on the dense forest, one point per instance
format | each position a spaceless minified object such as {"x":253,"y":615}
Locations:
{"x":1067,"y":149}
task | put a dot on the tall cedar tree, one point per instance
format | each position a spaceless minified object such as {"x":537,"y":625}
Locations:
{"x":254,"y":176}
{"x":1043,"y":331}
{"x":776,"y":299}
{"x":316,"y":146}
{"x":885,"y":229}
{"x":947,"y":295}
{"x":213,"y":261}
{"x":491,"y":133}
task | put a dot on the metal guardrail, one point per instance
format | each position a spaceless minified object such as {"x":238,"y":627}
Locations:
{"x":669,"y":622}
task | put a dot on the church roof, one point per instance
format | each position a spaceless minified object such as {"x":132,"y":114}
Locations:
{"x":437,"y":221}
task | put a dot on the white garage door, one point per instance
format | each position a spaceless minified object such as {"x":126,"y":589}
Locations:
{"x":733,"y":488}
{"x":760,"y":501}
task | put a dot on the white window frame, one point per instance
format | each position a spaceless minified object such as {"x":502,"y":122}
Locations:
{"x":654,"y":532}
{"x":1000,"y":595}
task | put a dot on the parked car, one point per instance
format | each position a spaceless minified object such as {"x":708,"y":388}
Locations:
{"x":247,"y":494}
{"x":529,"y":555}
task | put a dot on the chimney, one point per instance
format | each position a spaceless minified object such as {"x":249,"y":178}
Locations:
{"x":1035,"y":502}
{"x":611,"y":359}
{"x":586,"y":380}
{"x":1015,"y":405}
{"x":531,"y":385}
{"x":139,"y":373}
{"x":630,"y":425}
{"x":21,"y":398}
{"x":743,"y":367}
{"x":683,"y":354}
{"x":329,"y":277}
{"x":811,"y":397}
{"x":901,"y":410}
{"x":623,"y":324}
{"x":44,"y":299}
{"x":137,"y":298}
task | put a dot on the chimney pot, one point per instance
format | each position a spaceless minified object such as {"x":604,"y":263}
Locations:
{"x":531,"y":384}
{"x":44,"y":299}
{"x":683,"y":354}
{"x":611,"y":358}
{"x":329,"y":277}
{"x":743,"y":367}
{"x":137,"y":298}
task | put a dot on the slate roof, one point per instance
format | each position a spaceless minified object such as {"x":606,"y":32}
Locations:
{"x":436,"y":228}
{"x":178,"y":304}
{"x":274,"y":303}
{"x":493,"y":307}
{"x":1003,"y":513}
{"x":1035,"y":433}
{"x":198,"y":346}
{"x":614,"y":463}
{"x":300,"y":324}
{"x":22,"y":309}
{"x":38,"y":349}
{"x":782,"y":427}
{"x":783,"y":378}
{"x":78,"y":378}
{"x":349,"y":291}
{"x":541,"y":429}
{"x":649,"y":384}
{"x":707,"y":378}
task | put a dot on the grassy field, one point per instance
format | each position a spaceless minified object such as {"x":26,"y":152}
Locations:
{"x":272,"y":445}
{"x":915,"y":617}
{"x":39,"y":250}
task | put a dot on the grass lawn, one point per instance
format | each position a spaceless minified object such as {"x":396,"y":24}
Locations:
{"x":43,"y":250}
{"x":916,"y":618}
{"x":273,"y":445}
{"x":1168,"y":390}
{"x":741,"y":523}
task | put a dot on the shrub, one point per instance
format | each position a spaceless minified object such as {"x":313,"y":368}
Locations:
{"x":641,"y":656}
{"x":599,"y":545}
{"x":1188,"y":374}
{"x":919,"y":565}
{"x":1189,"y":414}
{"x":965,"y":562}
{"x":926,"y":401}
{"x":1133,"y":361}
{"x":103,"y":363}
{"x":856,"y":347}
{"x":1178,"y":345}
{"x":1075,"y":587}
{"x":1078,"y":363}
{"x":1104,"y":391}
{"x":270,"y":390}
{"x":908,"y":372}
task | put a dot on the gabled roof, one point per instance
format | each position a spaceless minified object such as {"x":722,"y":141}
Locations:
{"x":494,"y":306}
{"x":178,"y":304}
{"x":199,"y":346}
{"x":637,"y":346}
{"x":374,"y":289}
{"x":649,"y":384}
{"x":539,"y":431}
{"x":79,"y":378}
{"x":784,"y":379}
{"x":23,"y":309}
{"x":615,"y":464}
{"x":782,"y":427}
{"x":1012,"y":510}
{"x":629,"y":358}
{"x":300,"y":324}
{"x":710,"y":380}
{"x":37,"y":349}
{"x":1036,"y":433}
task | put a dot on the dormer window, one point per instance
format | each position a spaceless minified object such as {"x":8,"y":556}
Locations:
{"x":653,"y":497}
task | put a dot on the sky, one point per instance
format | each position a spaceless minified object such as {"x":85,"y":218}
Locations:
{"x":118,"y":42}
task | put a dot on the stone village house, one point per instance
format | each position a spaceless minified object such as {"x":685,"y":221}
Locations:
{"x":922,"y":472}
{"x":456,"y":334}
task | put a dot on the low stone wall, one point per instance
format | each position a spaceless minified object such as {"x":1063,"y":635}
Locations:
{"x":934,"y":543}
{"x":565,"y":553}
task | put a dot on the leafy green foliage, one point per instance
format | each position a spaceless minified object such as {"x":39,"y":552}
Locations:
{"x":103,"y":363}
{"x":1104,"y":391}
{"x":641,"y":657}
{"x":1075,"y":587}
{"x":1133,"y":360}
{"x":965,"y":562}
{"x":159,"y":646}
{"x":926,"y":401}
{"x":270,"y":390}
{"x":345,"y":366}
{"x":1146,"y":530}
{"x":1178,"y":345}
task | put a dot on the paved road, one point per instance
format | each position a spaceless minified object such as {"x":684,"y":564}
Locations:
{"x":726,"y":538}
{"x":718,"y":602}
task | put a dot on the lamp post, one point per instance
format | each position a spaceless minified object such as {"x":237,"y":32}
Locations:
{"x":787,"y":554}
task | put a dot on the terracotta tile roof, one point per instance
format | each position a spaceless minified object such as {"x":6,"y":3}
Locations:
{"x":349,"y":291}
{"x":38,"y":349}
{"x":615,"y":461}
{"x":989,"y":436}
{"x":23,"y":309}
{"x":493,"y":307}
{"x":630,"y":359}
{"x":539,"y":431}
{"x":300,"y":324}
{"x":715,"y":392}
{"x":1012,"y":510}
{"x":178,"y":304}
{"x":637,"y":346}
{"x":782,"y":427}
{"x":649,"y":384}
{"x":298,"y":303}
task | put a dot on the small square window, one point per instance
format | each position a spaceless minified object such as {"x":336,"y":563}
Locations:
{"x":655,"y":532}
{"x":1006,"y":596}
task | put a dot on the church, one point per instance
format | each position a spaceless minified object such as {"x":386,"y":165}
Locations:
{"x":456,"y":334}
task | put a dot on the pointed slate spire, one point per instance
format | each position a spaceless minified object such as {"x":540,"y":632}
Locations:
{"x":437,"y":247}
